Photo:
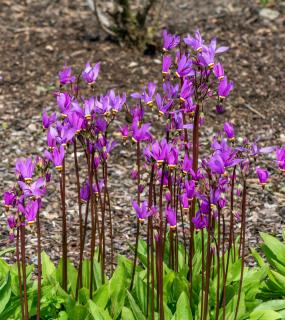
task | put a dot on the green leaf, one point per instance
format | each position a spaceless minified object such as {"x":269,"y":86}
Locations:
{"x":275,"y":305}
{"x":97,"y":312}
{"x":264,"y":315}
{"x":78,"y":312}
{"x":5,"y":292}
{"x":183,"y":310}
{"x":101,"y":296}
{"x":3,"y":252}
{"x":140,"y":292}
{"x":127,"y":314}
{"x":117,"y":290}
{"x":48,"y":269}
{"x":135,"y":308}
{"x":276,"y":247}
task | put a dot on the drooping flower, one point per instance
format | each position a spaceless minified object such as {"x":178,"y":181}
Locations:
{"x":85,"y":191}
{"x":25,"y":169}
{"x":64,"y":103}
{"x":65,"y":76}
{"x":148,"y":94}
{"x":141,"y":133}
{"x":12,"y":225}
{"x":90,"y":73}
{"x":171,"y":217}
{"x":200,"y":221}
{"x":195,"y":42}
{"x":9,"y":199}
{"x":186,"y":90}
{"x":36,"y":189}
{"x":220,"y":108}
{"x":230,"y":131}
{"x":280,"y":158}
{"x":190,"y":189}
{"x":48,"y":120}
{"x":56,"y":156}
{"x":184,"y":67}
{"x":162,"y":106}
{"x":30,"y":210}
{"x":142,"y":210}
{"x":219,"y":71}
{"x":224,"y":88}
{"x":76,"y":121}
{"x":169,"y":41}
{"x":262,"y":175}
{"x":166,"y":63}
{"x":125,"y":132}
{"x":216,"y":164}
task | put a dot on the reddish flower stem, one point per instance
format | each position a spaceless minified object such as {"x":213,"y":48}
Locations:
{"x":39,"y":266}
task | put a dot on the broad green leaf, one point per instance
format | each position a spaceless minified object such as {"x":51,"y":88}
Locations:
{"x":5,"y":292}
{"x":183,"y":310}
{"x":257,"y":257}
{"x":264,"y":315}
{"x":78,"y":312}
{"x":48,"y":268}
{"x":101,"y":296}
{"x":141,"y":292}
{"x":135,"y":308}
{"x":127,"y":314}
{"x":275,"y":305}
{"x":117,"y":291}
{"x":97,"y":312}
{"x":275,"y":246}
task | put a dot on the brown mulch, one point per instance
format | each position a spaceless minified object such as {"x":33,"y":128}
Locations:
{"x":39,"y":37}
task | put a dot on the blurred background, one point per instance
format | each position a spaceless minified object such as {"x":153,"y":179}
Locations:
{"x":37,"y":37}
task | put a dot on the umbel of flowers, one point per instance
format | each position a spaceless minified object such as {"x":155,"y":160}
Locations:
{"x":186,"y":195}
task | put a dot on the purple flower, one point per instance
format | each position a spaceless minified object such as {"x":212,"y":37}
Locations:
{"x":47,"y":121}
{"x":160,"y":151}
{"x":141,"y":133}
{"x":171,"y":217}
{"x":184,"y":201}
{"x":280,"y":158}
{"x":51,"y":137}
{"x":166,"y":63}
{"x":186,"y":90}
{"x":200,"y":221}
{"x":169,"y":41}
{"x":162,"y":107}
{"x":195,"y":42}
{"x":125,"y":132}
{"x":56,"y":156}
{"x":224,"y":88}
{"x":262,"y":175}
{"x":219,"y":71}
{"x":220,"y":108}
{"x":9,"y":199}
{"x":30,"y":210}
{"x":147,"y":96}
{"x":90,"y":73}
{"x":216,"y":164}
{"x":190,"y":189}
{"x":12,"y":225}
{"x":76,"y":121}
{"x":25,"y":169}
{"x":65,"y":133}
{"x":141,"y":211}
{"x":64,"y":103}
{"x":172,"y":158}
{"x":184,"y":67}
{"x":36,"y":189}
{"x":187,"y":164}
{"x":230,"y":131}
{"x":85,"y":191}
{"x":65,"y":75}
